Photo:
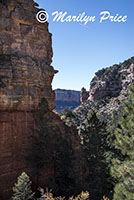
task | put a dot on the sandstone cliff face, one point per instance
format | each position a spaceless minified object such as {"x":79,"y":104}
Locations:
{"x":113,"y":81}
{"x":25,"y":77}
{"x":25,"y":57}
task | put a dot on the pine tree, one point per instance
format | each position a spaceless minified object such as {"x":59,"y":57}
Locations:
{"x":51,"y":148}
{"x":94,"y":135}
{"x":39,"y":156}
{"x":22,"y":189}
{"x":123,"y":167}
{"x":62,"y":156}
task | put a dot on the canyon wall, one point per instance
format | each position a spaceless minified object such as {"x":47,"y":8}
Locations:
{"x":67,"y":95}
{"x":25,"y":57}
{"x":69,"y":99}
{"x":113,"y":81}
{"x":25,"y":77}
{"x":109,"y":89}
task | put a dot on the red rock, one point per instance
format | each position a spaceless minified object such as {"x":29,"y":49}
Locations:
{"x":26,"y":76}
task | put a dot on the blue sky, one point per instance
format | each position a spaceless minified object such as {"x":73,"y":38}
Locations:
{"x":80,"y":50}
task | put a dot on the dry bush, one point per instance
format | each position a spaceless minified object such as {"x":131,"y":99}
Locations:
{"x":49,"y":196}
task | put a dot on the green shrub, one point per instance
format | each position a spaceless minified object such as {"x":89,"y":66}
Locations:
{"x":22,"y":189}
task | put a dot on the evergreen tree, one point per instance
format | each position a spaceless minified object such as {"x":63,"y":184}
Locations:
{"x":39,"y":156}
{"x":51,"y":148}
{"x":22,"y":189}
{"x":94,"y":136}
{"x":62,"y":156}
{"x":123,"y":166}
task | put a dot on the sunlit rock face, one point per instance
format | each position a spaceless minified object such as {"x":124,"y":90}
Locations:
{"x":25,"y":77}
{"x":113,"y":81}
{"x":25,"y":57}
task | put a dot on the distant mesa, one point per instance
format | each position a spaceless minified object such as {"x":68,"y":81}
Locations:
{"x":69,"y":99}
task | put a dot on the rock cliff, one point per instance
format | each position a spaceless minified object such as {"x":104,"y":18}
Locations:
{"x":112,"y":81}
{"x":69,"y":99}
{"x":25,"y":77}
{"x":109,"y":89}
{"x":25,"y":57}
{"x":84,"y":95}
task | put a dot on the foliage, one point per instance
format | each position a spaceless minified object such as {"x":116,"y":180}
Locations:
{"x":108,"y":110}
{"x":112,"y":72}
{"x":97,"y":140}
{"x":82,"y":196}
{"x":105,"y":198}
{"x":51,"y":148}
{"x":123,"y":166}
{"x":60,"y":106}
{"x":68,"y":117}
{"x":38,"y":155}
{"x":68,"y":113}
{"x":94,"y":139}
{"x":22,"y":189}
{"x":61,"y":153}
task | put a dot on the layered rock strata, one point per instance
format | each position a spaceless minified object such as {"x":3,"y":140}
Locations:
{"x":25,"y":57}
{"x":69,"y":99}
{"x":25,"y":77}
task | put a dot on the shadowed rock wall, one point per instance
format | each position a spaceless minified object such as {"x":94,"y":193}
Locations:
{"x":25,"y":77}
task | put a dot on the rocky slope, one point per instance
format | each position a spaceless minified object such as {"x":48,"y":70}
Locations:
{"x":25,"y":77}
{"x":109,"y":89}
{"x":69,"y":99}
{"x":113,"y":81}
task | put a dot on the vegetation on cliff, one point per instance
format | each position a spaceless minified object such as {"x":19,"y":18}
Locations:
{"x":123,"y":167}
{"x":114,"y":115}
{"x":51,"y":148}
{"x":95,"y":122}
{"x":56,"y":153}
{"x":94,"y":138}
{"x":22,"y":191}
